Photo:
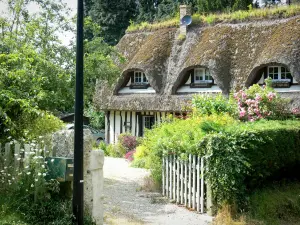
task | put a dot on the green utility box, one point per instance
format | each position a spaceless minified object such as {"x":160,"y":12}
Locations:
{"x":60,"y":168}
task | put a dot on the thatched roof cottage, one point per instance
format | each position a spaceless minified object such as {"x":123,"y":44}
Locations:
{"x":163,"y":70}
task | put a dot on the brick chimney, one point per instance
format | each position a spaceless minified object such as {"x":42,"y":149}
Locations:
{"x":184,"y":10}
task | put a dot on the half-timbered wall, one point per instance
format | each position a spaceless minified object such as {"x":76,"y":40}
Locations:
{"x":118,"y":122}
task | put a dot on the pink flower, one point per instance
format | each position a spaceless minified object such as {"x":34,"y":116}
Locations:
{"x":270,"y":96}
{"x":258,"y":97}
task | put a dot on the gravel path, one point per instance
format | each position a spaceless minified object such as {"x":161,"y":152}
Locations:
{"x":124,"y":204}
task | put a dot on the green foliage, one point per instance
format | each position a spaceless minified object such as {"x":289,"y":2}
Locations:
{"x":113,"y":17}
{"x":245,"y":155}
{"x":20,"y":119}
{"x":175,"y":136}
{"x":26,"y":196}
{"x":97,"y":118}
{"x":140,"y":157}
{"x":276,"y":204}
{"x":116,"y":150}
{"x":234,"y":16}
{"x":102,"y":145}
{"x":209,"y":104}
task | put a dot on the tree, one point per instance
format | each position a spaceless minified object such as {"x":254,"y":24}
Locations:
{"x":205,"y":6}
{"x":113,"y":16}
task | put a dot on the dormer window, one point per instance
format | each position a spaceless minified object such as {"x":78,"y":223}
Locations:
{"x":139,"y":80}
{"x":201,"y":78}
{"x":140,"y":77}
{"x":279,"y":73}
{"x":202,"y":75}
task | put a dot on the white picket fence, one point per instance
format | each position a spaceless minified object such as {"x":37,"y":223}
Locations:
{"x":183,"y":181}
{"x":19,"y":154}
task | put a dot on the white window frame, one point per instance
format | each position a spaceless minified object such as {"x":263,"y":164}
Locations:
{"x":280,"y":73}
{"x":204,"y":72}
{"x":139,"y":75}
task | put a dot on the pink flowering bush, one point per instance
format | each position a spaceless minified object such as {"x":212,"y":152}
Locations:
{"x":129,"y":155}
{"x":260,"y":103}
{"x":128,"y":141}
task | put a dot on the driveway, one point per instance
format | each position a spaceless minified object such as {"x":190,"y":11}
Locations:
{"x":124,"y":203}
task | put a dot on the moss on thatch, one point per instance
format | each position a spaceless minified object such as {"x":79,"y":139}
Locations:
{"x":232,"y":52}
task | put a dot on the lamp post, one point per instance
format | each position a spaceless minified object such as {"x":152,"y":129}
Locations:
{"x":78,"y":136}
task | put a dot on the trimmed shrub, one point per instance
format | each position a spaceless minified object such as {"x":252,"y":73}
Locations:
{"x":247,"y":155}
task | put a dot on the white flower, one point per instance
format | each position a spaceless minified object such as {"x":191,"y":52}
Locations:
{"x":44,"y":174}
{"x":18,"y":159}
{"x":26,"y":167}
{"x":28,"y":173}
{"x":43,"y":166}
{"x":39,"y":174}
{"x":31,"y":153}
{"x":5,"y":167}
{"x":36,"y":180}
{"x":26,"y":189}
{"x":16,"y":154}
{"x":32,"y":186}
{"x":52,"y":160}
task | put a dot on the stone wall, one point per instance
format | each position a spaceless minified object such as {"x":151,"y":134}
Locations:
{"x":63,"y":146}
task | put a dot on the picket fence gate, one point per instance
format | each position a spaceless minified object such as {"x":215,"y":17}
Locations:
{"x":183,"y":181}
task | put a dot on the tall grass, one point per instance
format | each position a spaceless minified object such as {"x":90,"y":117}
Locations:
{"x":237,"y":16}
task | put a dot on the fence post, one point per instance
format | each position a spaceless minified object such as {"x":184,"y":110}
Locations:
{"x":202,"y":185}
{"x":7,"y":154}
{"x":174,"y":177}
{"x":194,"y":182}
{"x":181,"y":182}
{"x":199,"y":189}
{"x":185,"y":184}
{"x":171,"y":177}
{"x":167,"y":175}
{"x":190,"y":181}
{"x":163,"y":176}
{"x":17,"y":156}
{"x":178,"y":180}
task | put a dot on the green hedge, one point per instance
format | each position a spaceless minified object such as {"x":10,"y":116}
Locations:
{"x":240,"y":155}
{"x":246,"y":155}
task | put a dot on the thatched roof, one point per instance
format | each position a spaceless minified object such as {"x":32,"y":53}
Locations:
{"x":232,"y":52}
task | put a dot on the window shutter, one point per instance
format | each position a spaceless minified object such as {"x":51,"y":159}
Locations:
{"x":132,"y":77}
{"x":192,"y":76}
{"x":265,"y":71}
{"x":140,"y":124}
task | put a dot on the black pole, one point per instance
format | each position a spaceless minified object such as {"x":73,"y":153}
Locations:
{"x":78,"y":136}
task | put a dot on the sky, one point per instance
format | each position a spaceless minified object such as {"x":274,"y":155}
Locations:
{"x":33,"y":8}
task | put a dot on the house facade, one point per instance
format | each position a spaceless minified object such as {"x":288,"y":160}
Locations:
{"x":163,"y":71}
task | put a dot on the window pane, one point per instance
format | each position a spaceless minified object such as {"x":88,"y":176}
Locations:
{"x":145,"y":78}
{"x":275,"y":77}
{"x":271,"y":70}
{"x":148,"y":122}
{"x":282,"y":69}
{"x":275,"y":69}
